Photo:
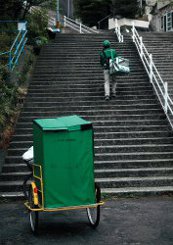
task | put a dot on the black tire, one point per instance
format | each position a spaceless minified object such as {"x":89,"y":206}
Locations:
{"x":33,"y":215}
{"x":25,"y":187}
{"x":94,"y":213}
{"x":29,"y":177}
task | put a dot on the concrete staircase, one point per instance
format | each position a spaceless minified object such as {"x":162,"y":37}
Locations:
{"x":160,"y":44}
{"x":133,"y":141}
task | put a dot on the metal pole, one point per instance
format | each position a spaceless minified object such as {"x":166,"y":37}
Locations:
{"x":133,"y":31}
{"x":10,"y":61}
{"x":141,"y":47}
{"x":141,"y":4}
{"x":57,"y":15}
{"x":166,"y":97}
{"x":65,"y":21}
{"x":116,"y":24}
{"x":151,"y":68}
{"x":80,"y":28}
{"x":68,"y":9}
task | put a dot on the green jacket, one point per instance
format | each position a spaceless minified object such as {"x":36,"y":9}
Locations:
{"x":105,"y":55}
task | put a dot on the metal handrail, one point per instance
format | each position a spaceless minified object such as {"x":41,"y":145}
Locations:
{"x":106,"y":17}
{"x":16,"y":49}
{"x":78,"y":26}
{"x":160,"y":87}
{"x":118,"y":32}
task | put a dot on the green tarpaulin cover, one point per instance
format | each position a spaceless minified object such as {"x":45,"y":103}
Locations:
{"x":64,"y":148}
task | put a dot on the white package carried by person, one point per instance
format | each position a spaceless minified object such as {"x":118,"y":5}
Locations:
{"x":119,"y":65}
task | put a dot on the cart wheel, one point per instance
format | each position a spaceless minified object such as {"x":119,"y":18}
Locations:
{"x":33,"y":215}
{"x":94,"y":213}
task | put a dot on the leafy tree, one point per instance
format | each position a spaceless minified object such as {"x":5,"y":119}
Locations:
{"x":91,"y":11}
{"x":37,"y":24}
{"x":10,"y":9}
{"x":125,"y":8}
{"x":17,"y":9}
{"x":29,"y":3}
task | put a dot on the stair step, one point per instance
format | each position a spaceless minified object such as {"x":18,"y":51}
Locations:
{"x":133,"y":156}
{"x":135,"y":181}
{"x":93,"y":108}
{"x":111,"y":135}
{"x":52,"y":113}
{"x":142,"y":172}
{"x":8,"y":168}
{"x":138,"y":191}
{"x":132,"y":148}
{"x":113,"y":129}
{"x":113,"y":149}
{"x":121,"y":164}
{"x":107,"y":141}
{"x":14,"y":176}
{"x":113,"y":122}
{"x":12,"y":195}
{"x":7,"y":186}
{"x":91,"y":98}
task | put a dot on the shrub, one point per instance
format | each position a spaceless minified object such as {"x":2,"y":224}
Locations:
{"x":37,"y":24}
{"x":4,"y":73}
{"x":38,"y":43}
{"x":8,"y":101}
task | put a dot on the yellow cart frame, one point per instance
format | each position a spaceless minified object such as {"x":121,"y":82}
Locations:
{"x":34,"y":205}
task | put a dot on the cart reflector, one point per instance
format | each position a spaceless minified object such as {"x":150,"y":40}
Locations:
{"x":35,"y":190}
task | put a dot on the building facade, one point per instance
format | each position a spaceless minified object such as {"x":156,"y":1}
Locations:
{"x":162,"y":18}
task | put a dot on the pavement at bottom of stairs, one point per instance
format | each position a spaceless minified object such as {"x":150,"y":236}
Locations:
{"x":142,"y":221}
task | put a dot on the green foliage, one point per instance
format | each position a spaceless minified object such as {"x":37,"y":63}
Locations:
{"x":50,"y":4}
{"x":40,"y":41}
{"x":22,"y":76}
{"x":29,"y":3}
{"x":6,"y":41}
{"x":10,"y":9}
{"x":4,"y":73}
{"x":125,"y":8}
{"x":91,"y":11}
{"x":8,"y":100}
{"x":37,"y":29}
{"x":17,"y":9}
{"x":37,"y":24}
{"x":11,"y":97}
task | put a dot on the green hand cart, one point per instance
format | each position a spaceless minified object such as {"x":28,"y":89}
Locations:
{"x":63,"y":169}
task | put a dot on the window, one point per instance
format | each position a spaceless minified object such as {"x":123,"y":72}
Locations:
{"x":169,"y":21}
{"x":162,"y":22}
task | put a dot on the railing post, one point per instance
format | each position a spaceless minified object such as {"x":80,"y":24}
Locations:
{"x":80,"y":27}
{"x":118,"y":31}
{"x":166,"y":97}
{"x":151,"y":68}
{"x":116,"y":25}
{"x":10,"y":61}
{"x":65,"y":21}
{"x":119,"y":34}
{"x":141,"y":47}
{"x":133,"y":32}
